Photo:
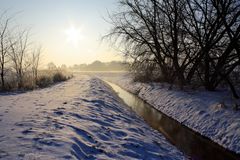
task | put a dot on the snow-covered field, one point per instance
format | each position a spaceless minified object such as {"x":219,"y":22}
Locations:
{"x":201,"y":111}
{"x":78,"y":119}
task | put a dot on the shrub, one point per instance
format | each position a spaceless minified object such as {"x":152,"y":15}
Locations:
{"x":44,"y":81}
{"x":10,"y":86}
{"x":59,"y":77}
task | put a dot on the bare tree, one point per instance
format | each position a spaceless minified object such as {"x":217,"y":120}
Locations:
{"x":215,"y":27}
{"x":19,"y":49}
{"x":35,"y":59}
{"x":136,"y":29}
{"x":4,"y":46}
{"x":188,"y":39}
{"x":153,"y":31}
{"x":52,"y":66}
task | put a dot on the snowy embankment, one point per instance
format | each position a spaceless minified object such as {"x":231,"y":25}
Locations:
{"x":78,"y":119}
{"x":201,"y":111}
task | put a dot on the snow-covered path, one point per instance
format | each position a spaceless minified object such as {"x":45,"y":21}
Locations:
{"x":78,"y":119}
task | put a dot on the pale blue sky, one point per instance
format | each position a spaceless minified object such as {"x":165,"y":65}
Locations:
{"x":50,"y":19}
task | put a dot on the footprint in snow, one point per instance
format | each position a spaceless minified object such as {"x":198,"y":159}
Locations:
{"x":27,"y":131}
{"x":59,"y":113}
{"x":120,"y":134}
{"x":3,"y":154}
{"x":84,"y":134}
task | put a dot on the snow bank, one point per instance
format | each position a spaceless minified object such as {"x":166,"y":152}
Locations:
{"x":78,"y":119}
{"x":199,"y":110}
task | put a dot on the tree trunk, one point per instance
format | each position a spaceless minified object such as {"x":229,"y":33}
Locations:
{"x":2,"y":76}
{"x":2,"y":80}
{"x":233,"y":90}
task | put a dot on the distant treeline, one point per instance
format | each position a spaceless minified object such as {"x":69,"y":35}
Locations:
{"x":101,"y":66}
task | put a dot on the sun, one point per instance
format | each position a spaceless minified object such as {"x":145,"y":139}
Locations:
{"x":73,"y":35}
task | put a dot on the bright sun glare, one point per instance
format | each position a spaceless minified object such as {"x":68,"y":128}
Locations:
{"x":73,"y":35}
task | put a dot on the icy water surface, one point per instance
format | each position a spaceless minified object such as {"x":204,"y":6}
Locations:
{"x":191,"y":143}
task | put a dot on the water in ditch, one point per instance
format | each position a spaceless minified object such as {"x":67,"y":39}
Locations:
{"x":195,"y":146}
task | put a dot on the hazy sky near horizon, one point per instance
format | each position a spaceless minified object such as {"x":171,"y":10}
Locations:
{"x":69,"y":30}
